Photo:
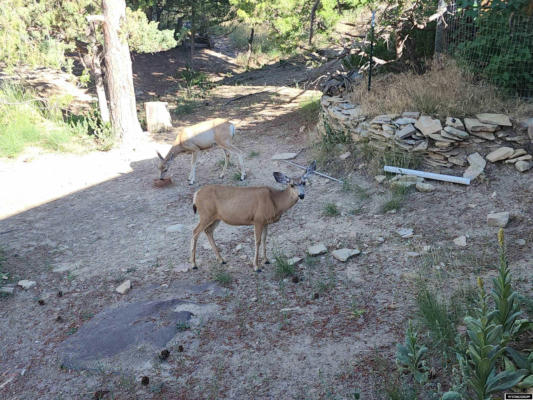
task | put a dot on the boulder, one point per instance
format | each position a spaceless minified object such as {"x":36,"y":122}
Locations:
{"x":460,"y":241}
{"x":405,"y":131}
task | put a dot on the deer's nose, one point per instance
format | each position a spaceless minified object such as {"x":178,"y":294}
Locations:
{"x":301,"y":196}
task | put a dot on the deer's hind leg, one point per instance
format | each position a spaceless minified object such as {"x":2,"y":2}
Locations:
{"x":209,"y":233}
{"x":201,"y":227}
{"x":237,"y":152}
{"x":258,"y":229}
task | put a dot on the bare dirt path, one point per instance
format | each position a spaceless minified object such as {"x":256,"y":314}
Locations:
{"x":80,"y":225}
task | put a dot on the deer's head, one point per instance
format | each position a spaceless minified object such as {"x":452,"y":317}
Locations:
{"x":163,"y":164}
{"x":296,"y":185}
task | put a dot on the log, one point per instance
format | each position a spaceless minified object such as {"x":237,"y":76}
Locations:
{"x":157,"y":116}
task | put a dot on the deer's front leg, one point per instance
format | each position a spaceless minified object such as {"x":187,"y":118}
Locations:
{"x":258,"y":229}
{"x":265,"y":231}
{"x":192,"y":174}
{"x":226,"y":162}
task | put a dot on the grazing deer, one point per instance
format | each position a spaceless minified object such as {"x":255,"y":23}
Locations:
{"x":203,"y":136}
{"x":257,"y":206}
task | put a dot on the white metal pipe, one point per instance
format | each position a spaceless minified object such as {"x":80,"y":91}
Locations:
{"x":428,"y":175}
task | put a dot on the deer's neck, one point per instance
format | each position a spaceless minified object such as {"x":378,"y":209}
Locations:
{"x":173,"y":152}
{"x":284,"y":199}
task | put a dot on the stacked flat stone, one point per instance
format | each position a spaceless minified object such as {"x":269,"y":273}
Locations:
{"x":440,"y":145}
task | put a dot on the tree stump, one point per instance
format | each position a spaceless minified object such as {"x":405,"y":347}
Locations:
{"x":157,"y":116}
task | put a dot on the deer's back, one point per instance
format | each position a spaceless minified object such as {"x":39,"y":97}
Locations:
{"x":203,"y":135}
{"x":237,"y":205}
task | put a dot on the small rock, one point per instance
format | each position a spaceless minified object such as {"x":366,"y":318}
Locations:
{"x":494,"y":119}
{"x":424,"y":187}
{"x":409,"y":276}
{"x":454,"y":123}
{"x":317,"y":249}
{"x":405,"y":131}
{"x":428,"y":125}
{"x":426,"y":248}
{"x":344,"y":156}
{"x":475,"y":159}
{"x":500,"y":154}
{"x":523,"y":166}
{"x":456,"y":132}
{"x":474,"y":125}
{"x":294,"y":260}
{"x":405,"y":121}
{"x":182,"y":267}
{"x":344,"y":254}
{"x":526,"y":157}
{"x":25,"y":284}
{"x":472,"y":172}
{"x":124,"y":287}
{"x":380,"y":178}
{"x":176,"y":228}
{"x":412,"y":254}
{"x":411,"y":114}
{"x":499,"y":220}
{"x":518,"y":153}
{"x":7,"y":289}
{"x":460,"y":241}
{"x":284,"y":156}
{"x":289,"y":309}
{"x":521,"y":242}
{"x":405,"y":232}
{"x":237,"y":248}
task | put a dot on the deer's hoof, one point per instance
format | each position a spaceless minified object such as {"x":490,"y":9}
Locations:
{"x":267,"y":262}
{"x":258,"y":270}
{"x":223,"y":262}
{"x":194,"y":267}
{"x":243,"y":177}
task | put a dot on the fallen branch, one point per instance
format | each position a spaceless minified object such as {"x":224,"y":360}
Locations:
{"x":243,"y":96}
{"x":316,"y":172}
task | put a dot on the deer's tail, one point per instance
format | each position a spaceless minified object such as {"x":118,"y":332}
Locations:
{"x":194,"y":203}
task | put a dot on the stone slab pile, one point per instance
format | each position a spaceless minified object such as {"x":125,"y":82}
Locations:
{"x":444,"y":143}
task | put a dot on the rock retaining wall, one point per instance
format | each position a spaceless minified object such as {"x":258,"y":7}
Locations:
{"x":441,"y":143}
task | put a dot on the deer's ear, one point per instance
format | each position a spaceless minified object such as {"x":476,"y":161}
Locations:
{"x":159,"y":155}
{"x":280,"y":178}
{"x":309,"y":171}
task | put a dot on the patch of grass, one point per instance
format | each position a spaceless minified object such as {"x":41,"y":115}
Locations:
{"x":222,"y":276}
{"x":434,"y":314}
{"x":444,"y":90}
{"x":331,"y":210}
{"x":253,"y":154}
{"x":220,"y":163}
{"x":183,"y":326}
{"x":393,"y":203}
{"x":310,"y":109}
{"x":26,"y":120}
{"x":282,"y":267}
{"x":236,"y":176}
{"x":186,"y":106}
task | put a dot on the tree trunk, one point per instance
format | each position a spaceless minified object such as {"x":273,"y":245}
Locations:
{"x":193,"y":31}
{"x":119,"y":76}
{"x":250,"y":44}
{"x":95,"y":66}
{"x":312,"y":21}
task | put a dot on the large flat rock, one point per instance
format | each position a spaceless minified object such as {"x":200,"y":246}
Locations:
{"x":150,"y":324}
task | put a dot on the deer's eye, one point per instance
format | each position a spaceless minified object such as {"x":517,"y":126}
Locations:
{"x":303,"y":183}
{"x":292,"y":185}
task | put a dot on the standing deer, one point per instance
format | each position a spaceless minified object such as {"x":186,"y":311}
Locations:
{"x":203,"y":136}
{"x":257,"y":206}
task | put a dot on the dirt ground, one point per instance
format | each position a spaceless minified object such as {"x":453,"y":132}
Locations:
{"x":82,"y":224}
